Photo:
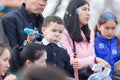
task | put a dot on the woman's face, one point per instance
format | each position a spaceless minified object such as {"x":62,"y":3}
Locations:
{"x":41,"y":61}
{"x":107,"y":29}
{"x":4,"y":62}
{"x":84,"y":14}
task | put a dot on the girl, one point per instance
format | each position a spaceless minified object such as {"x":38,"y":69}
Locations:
{"x":107,"y":45}
{"x":32,"y":54}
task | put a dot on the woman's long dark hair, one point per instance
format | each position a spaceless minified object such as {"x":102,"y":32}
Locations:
{"x":72,"y":21}
{"x":31,"y":51}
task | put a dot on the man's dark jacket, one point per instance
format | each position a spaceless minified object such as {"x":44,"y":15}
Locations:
{"x":15,"y":21}
{"x":3,"y":37}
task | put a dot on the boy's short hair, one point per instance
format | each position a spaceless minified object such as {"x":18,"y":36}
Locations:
{"x":49,"y":19}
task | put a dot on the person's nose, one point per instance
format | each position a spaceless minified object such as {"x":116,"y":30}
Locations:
{"x":110,"y":31}
{"x":43,"y":2}
{"x":8,"y":65}
{"x":57,"y":34}
{"x":88,"y":12}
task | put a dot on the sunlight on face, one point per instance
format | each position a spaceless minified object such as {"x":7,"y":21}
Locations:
{"x":4,"y":62}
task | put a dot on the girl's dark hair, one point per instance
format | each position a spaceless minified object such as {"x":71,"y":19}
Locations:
{"x":50,"y":19}
{"x":104,"y":17}
{"x":72,"y":21}
{"x":3,"y":47}
{"x":31,"y":51}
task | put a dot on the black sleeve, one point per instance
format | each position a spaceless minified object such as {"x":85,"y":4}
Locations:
{"x":3,"y":37}
{"x":68,"y":66}
{"x":9,"y":25}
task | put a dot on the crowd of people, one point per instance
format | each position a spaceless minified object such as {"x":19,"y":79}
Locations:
{"x":63,"y":48}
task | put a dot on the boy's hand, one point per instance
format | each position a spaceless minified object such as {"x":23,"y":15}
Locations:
{"x":30,"y":37}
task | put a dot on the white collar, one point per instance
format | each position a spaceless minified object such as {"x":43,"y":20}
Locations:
{"x":46,"y":42}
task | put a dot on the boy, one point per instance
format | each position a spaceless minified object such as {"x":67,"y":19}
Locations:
{"x":52,"y":29}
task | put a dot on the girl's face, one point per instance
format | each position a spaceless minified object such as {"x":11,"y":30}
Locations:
{"x":53,"y":32}
{"x":107,"y":29}
{"x":4,"y":62}
{"x":84,"y":14}
{"x":41,"y":61}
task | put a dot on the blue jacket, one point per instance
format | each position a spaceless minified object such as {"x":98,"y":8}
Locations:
{"x":107,"y":50}
{"x":57,"y":56}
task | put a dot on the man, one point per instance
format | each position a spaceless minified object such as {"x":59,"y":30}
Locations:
{"x":29,"y":15}
{"x":3,"y":37}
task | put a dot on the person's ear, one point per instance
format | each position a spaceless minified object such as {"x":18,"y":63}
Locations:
{"x":44,"y":30}
{"x":98,"y":26}
{"x":28,"y":63}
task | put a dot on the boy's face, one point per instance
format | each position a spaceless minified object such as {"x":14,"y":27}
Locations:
{"x":53,"y":32}
{"x":84,"y":14}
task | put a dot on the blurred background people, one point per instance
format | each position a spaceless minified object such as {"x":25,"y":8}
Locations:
{"x":56,"y":7}
{"x":99,"y":76}
{"x":48,"y":73}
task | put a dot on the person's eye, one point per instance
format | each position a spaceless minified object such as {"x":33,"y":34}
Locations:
{"x":60,"y":31}
{"x":45,"y":0}
{"x":54,"y":30}
{"x":113,"y":28}
{"x":106,"y":28}
{"x":84,"y":9}
{"x":6,"y":59}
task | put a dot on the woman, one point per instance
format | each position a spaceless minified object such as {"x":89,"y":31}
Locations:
{"x":30,"y":55}
{"x":78,"y":38}
{"x":4,"y":59}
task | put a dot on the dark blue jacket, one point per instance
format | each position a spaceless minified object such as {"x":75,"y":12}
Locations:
{"x":15,"y":21}
{"x":107,"y":49}
{"x":58,"y":57}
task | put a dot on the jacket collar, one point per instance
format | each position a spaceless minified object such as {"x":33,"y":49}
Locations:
{"x":99,"y":36}
{"x":29,"y":15}
{"x":46,"y":42}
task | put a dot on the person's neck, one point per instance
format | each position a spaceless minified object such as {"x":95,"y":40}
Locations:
{"x":26,"y":7}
